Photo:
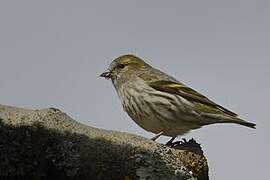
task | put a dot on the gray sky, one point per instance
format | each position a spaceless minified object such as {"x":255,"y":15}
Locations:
{"x":51,"y":53}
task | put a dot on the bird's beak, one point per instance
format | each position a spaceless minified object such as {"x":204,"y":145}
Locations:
{"x":107,"y":74}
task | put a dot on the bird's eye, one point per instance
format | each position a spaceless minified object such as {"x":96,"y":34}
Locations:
{"x":121,"y":66}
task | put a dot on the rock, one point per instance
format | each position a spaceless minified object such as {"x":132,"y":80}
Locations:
{"x":48,"y":144}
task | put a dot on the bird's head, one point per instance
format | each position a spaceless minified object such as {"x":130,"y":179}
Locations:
{"x":124,"y":67}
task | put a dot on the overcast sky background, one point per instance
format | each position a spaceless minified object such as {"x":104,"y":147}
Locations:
{"x":51,"y":53}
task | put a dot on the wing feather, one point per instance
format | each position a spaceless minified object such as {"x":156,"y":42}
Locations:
{"x":187,"y":93}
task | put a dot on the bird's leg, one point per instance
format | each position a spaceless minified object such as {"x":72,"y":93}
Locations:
{"x":170,"y":142}
{"x":157,"y":136}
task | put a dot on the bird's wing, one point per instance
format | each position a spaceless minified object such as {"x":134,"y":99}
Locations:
{"x":187,"y":93}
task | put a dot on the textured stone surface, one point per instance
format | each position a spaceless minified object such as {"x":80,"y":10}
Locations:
{"x":48,"y":144}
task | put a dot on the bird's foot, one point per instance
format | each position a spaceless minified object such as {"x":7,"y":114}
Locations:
{"x":190,"y":145}
{"x":172,"y":144}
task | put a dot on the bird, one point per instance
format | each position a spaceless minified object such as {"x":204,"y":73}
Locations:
{"x":159,"y":103}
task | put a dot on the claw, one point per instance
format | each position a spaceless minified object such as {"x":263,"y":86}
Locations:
{"x":170,"y":142}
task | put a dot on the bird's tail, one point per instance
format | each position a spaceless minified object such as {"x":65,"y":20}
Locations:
{"x":218,"y":118}
{"x":244,"y":123}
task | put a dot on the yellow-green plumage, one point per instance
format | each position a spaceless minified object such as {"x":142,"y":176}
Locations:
{"x":159,"y":103}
